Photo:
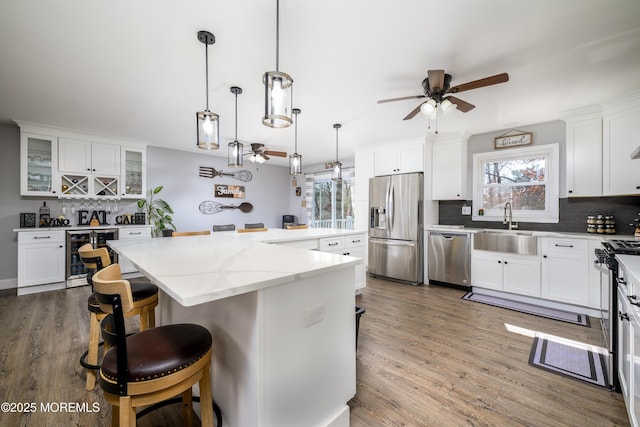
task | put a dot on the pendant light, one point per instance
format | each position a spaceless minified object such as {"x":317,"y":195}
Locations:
{"x":337,"y":166}
{"x":295,"y":160}
{"x":208,"y":129}
{"x":278,"y":88}
{"x":235,"y":147}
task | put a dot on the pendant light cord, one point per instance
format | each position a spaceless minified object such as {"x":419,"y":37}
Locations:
{"x":277,"y":35}
{"x":337,"y":144}
{"x":206,"y":72}
{"x":236,"y":117}
{"x":296,"y":144}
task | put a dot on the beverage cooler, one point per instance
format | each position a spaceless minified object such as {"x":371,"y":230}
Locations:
{"x":76,"y":273}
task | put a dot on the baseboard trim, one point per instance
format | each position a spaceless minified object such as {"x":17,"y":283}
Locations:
{"x":8,"y":283}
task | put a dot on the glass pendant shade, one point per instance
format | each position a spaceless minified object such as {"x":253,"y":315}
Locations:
{"x":235,"y":154}
{"x":295,"y":164}
{"x":337,"y":171}
{"x":278,"y":88}
{"x":208,"y":130}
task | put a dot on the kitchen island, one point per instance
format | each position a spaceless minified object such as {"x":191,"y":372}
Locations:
{"x":282,"y":319}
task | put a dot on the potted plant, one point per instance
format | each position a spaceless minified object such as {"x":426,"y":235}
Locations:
{"x":157,"y":212}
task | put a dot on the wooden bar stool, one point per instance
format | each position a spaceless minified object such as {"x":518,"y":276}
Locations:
{"x":153,"y":365}
{"x":145,"y":299}
{"x":190,"y":233}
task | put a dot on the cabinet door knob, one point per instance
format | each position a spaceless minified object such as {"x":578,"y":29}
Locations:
{"x":499,"y":262}
{"x":544,"y":256}
{"x":505,"y":263}
{"x":570,"y":191}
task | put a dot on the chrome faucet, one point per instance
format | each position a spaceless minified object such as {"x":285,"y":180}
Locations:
{"x":508,"y":217}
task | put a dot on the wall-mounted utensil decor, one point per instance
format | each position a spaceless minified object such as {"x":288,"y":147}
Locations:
{"x":208,"y":172}
{"x":209,"y":207}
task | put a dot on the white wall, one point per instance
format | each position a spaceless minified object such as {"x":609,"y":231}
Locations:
{"x":177,"y":172}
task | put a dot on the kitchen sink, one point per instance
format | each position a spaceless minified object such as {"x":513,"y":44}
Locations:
{"x":509,"y":241}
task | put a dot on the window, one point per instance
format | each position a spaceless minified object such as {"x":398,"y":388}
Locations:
{"x":330,"y":204}
{"x":526,"y":177}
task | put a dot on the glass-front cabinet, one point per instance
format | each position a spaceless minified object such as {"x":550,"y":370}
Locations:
{"x":38,"y":165}
{"x":68,"y":164}
{"x":133,"y":165}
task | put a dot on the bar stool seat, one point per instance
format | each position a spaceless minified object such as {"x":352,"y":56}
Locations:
{"x":154,"y":365}
{"x":145,"y":299}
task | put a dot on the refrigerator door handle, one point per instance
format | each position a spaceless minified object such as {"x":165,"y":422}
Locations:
{"x":390,"y":203}
{"x":387,"y":242}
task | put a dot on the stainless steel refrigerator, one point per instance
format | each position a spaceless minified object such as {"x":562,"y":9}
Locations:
{"x":396,"y":227}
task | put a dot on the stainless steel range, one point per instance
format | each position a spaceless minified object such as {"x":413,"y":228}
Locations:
{"x":609,"y":301}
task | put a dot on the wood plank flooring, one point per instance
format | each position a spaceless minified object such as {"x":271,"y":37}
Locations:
{"x":425,"y":358}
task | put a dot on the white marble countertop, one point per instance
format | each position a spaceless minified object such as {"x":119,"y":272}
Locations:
{"x":568,"y":234}
{"x":199,"y":269}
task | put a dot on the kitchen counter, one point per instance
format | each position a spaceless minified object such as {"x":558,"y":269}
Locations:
{"x":198,"y":269}
{"x":590,"y":236}
{"x":282,"y":320}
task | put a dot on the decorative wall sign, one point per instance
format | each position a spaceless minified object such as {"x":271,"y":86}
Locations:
{"x":232,"y":191}
{"x":209,"y":207}
{"x":513,"y":139}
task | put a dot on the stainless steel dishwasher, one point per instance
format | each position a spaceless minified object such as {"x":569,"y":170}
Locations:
{"x":449,"y":258}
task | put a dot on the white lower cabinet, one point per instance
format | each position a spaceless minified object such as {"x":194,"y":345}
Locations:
{"x":353,"y":245}
{"x":628,"y":318}
{"x":40,"y":259}
{"x":565,"y":270}
{"x":518,"y":274}
{"x":127,"y":234}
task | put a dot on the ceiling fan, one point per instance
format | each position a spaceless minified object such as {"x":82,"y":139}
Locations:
{"x":436,"y":87}
{"x":259,"y":153}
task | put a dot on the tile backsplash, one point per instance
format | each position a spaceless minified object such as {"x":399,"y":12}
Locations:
{"x":573,"y":214}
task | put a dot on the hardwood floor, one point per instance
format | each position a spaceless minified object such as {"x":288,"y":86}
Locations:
{"x":425,"y":358}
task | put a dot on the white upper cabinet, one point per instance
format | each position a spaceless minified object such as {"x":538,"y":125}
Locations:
{"x":38,"y":165}
{"x":449,"y":169}
{"x":76,"y":156}
{"x":620,"y":133}
{"x":584,"y":153}
{"x":133,"y":166}
{"x":399,"y":159}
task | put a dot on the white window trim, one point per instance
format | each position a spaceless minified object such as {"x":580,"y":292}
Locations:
{"x":551,"y":214}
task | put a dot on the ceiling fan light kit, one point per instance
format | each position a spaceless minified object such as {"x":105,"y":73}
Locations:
{"x":437,"y":85}
{"x":295,"y":160}
{"x":208,"y":129}
{"x":235,"y":154}
{"x":337,"y":166}
{"x":278,"y":88}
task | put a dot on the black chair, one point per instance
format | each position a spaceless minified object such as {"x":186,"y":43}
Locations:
{"x":254,"y":225}
{"x":145,"y":300}
{"x":152,"y":366}
{"x":226,"y":227}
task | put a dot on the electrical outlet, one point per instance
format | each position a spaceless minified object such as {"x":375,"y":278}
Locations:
{"x":313,"y":314}
{"x":466,"y":210}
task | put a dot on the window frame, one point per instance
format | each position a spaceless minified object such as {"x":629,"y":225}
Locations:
{"x":552,"y":183}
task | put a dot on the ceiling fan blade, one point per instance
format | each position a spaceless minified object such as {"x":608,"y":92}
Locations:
{"x":382,"y":101}
{"x":436,"y":79}
{"x":487,"y":81}
{"x":275,"y":153}
{"x":461,"y":105}
{"x":413,"y":113}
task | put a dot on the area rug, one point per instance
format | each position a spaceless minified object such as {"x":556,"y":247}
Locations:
{"x":569,"y":358}
{"x":549,"y":313}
